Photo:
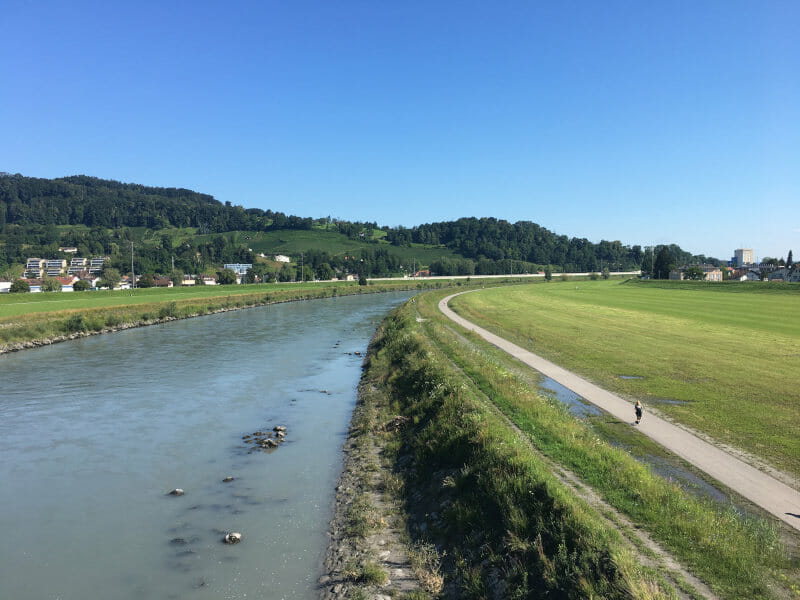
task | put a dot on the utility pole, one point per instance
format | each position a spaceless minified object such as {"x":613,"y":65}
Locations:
{"x":133,"y":276}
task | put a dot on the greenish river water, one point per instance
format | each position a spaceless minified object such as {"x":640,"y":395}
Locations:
{"x":94,"y":434}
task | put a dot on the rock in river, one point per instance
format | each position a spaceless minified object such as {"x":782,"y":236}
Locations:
{"x":234,"y":537}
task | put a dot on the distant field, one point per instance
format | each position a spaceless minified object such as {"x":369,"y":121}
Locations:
{"x":724,"y":360}
{"x":292,"y":242}
{"x":12,"y":305}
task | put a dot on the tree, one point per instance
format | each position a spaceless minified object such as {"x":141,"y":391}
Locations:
{"x":145,"y":281}
{"x":647,"y":263}
{"x":51,"y":284}
{"x":177,"y":278}
{"x":789,"y":262}
{"x":226,"y":277}
{"x":81,"y":285}
{"x":548,"y":273}
{"x":663,"y":264}
{"x":694,"y":273}
{"x":324,"y":271}
{"x":19,"y":286}
{"x":286,"y":273}
{"x":606,"y":273}
{"x":111,"y":278}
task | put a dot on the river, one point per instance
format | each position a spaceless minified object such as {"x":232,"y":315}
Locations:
{"x":96,"y":432}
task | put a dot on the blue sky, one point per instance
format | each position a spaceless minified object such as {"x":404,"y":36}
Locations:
{"x":644,"y":122}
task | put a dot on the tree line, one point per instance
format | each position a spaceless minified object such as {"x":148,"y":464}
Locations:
{"x":109,"y":211}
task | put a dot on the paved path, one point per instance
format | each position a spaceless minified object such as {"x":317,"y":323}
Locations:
{"x":758,"y":487}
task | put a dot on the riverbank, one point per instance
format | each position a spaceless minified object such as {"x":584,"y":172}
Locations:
{"x":37,"y":329}
{"x":370,"y":555}
{"x":504,"y":494}
{"x":437,"y":497}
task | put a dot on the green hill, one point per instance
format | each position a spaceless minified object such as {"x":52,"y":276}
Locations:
{"x":172,"y":229}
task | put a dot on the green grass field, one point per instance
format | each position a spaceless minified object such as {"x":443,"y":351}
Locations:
{"x":14,"y":305}
{"x":736,"y":555}
{"x":292,"y":242}
{"x":724,"y":360}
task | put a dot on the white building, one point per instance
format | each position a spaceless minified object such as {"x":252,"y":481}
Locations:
{"x":743,"y":256}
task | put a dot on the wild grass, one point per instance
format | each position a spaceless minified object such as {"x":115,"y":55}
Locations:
{"x":739,"y":557}
{"x":372,"y":574}
{"x":505,"y":526}
{"x":721,"y":359}
{"x":427,"y":565}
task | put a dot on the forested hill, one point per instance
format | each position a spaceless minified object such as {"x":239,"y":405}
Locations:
{"x":83,"y":200}
{"x":31,"y":208}
{"x":496,"y":239}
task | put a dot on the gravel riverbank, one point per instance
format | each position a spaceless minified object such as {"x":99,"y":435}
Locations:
{"x":369,"y":555}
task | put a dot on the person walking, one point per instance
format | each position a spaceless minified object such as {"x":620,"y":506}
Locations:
{"x":639,"y":409}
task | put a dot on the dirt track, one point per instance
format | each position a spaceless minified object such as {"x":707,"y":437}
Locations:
{"x":760,"y":488}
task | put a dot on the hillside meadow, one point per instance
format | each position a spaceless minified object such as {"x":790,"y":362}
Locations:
{"x":721,"y":359}
{"x":293,"y":242}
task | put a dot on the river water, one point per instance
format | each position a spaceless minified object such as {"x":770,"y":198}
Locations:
{"x":95,"y":433}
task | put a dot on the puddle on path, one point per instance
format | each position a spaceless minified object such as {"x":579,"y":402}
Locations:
{"x":577,"y":406}
{"x":684,"y":478}
{"x":687,"y":480}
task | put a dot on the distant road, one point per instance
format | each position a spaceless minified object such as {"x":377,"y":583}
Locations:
{"x":763,"y":490}
{"x":506,"y":276}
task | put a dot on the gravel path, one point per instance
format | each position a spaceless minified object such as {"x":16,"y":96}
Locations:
{"x":760,"y":488}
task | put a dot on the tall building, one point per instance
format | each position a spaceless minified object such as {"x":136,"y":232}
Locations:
{"x":743,"y":256}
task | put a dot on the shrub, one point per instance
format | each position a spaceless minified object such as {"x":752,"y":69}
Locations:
{"x":19,"y":286}
{"x":170,"y":310}
{"x":113,"y":320}
{"x":75,"y":324}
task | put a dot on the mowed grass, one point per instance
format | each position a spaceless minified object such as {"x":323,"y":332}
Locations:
{"x":727,"y":364}
{"x":14,"y":305}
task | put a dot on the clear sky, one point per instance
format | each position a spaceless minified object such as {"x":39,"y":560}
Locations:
{"x":641,"y":121}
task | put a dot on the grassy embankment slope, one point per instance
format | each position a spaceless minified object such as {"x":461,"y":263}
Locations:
{"x":722,"y":359}
{"x":493,"y":499}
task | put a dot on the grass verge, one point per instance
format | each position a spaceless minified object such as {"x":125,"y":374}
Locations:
{"x":738,"y":557}
{"x":721,"y":359}
{"x":504,"y":525}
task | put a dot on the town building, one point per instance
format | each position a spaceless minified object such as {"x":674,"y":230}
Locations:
{"x":34,"y":268}
{"x":742,"y":257}
{"x":710,"y":273}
